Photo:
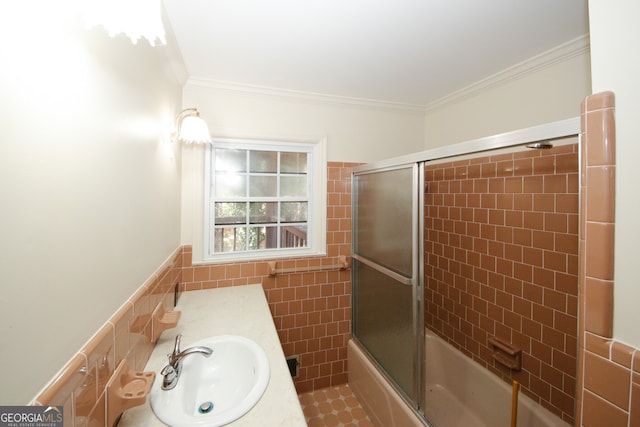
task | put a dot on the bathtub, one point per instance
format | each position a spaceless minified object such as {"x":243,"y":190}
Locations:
{"x":459,"y":392}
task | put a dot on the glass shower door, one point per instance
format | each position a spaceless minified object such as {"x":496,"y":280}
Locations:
{"x":386,"y":289}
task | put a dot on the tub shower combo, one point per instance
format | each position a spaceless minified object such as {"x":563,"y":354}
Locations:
{"x":403,"y":372}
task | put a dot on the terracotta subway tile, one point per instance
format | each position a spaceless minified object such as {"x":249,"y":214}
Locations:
{"x":599,"y":252}
{"x":513,"y":185}
{"x":555,"y":184}
{"x":534,"y":220}
{"x":565,"y":323}
{"x":488,"y":201}
{"x":555,"y":261}
{"x":504,"y":201}
{"x":600,"y":128}
{"x":543,"y":240}
{"x":600,"y":194}
{"x":567,"y":203}
{"x":544,"y":277}
{"x":533,"y":184}
{"x":532,"y":256}
{"x":634,"y":415}
{"x":555,"y":222}
{"x":543,"y":315}
{"x":504,"y":234}
{"x":567,"y":243}
{"x":599,"y":412}
{"x":608,"y":380}
{"x":532,"y":292}
{"x":562,"y":400}
{"x":598,"y":296}
{"x":622,"y":354}
{"x":599,"y":101}
{"x":522,"y":202}
{"x":522,"y":166}
{"x":522,"y":236}
{"x":544,"y":165}
{"x":544,"y":202}
{"x":567,"y":283}
{"x":556,"y":300}
{"x":566,"y":163}
{"x":514,"y":218}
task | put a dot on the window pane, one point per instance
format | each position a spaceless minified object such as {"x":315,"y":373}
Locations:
{"x":263,"y":186}
{"x":259,"y":198}
{"x":293,"y":186}
{"x":231,"y":185}
{"x":261,"y":212}
{"x":263,"y":161}
{"x":293,"y":162}
{"x":293,"y":236}
{"x":293,"y":211}
{"x":230,"y":239}
{"x":231,"y":213}
{"x":228,"y":160}
{"x":263,"y":238}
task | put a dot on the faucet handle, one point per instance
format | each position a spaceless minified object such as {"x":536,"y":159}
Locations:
{"x":176,"y":350}
{"x":176,"y":347}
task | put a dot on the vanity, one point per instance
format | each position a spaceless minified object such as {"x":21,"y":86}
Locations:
{"x":238,"y":310}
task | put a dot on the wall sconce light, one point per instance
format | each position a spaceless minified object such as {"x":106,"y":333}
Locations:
{"x":191,"y":128}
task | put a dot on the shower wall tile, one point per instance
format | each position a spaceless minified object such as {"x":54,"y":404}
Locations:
{"x":311,"y":310}
{"x":608,"y":388}
{"x":501,"y":259}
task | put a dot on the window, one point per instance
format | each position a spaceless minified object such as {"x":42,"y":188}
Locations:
{"x":263,"y":199}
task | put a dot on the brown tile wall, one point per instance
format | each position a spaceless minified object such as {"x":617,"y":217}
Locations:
{"x":501,"y":259}
{"x":609,"y":371}
{"x":311,"y":310}
{"x":128,"y":334}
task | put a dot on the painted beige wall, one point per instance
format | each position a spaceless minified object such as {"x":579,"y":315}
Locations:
{"x":551,"y":93}
{"x":355,"y":132}
{"x":90,"y":194}
{"x":616,"y":67}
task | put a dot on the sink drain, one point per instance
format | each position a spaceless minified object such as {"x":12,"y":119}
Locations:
{"x":205,"y":408}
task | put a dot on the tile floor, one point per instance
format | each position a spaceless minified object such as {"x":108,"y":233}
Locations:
{"x":333,"y":407}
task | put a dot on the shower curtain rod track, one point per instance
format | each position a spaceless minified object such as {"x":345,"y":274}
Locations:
{"x":548,"y":131}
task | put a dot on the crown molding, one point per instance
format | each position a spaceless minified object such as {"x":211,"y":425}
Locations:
{"x":561,"y":53}
{"x":296,"y":95}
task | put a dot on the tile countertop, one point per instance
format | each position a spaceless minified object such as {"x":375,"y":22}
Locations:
{"x":238,"y":310}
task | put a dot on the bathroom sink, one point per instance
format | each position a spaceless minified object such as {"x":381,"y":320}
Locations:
{"x":215,"y":390}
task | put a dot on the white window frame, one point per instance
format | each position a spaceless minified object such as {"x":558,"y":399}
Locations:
{"x":317,"y":212}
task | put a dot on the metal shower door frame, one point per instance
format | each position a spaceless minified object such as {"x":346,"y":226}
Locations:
{"x":416,"y":281}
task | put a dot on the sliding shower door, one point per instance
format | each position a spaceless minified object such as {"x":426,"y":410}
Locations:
{"x":387,"y":307}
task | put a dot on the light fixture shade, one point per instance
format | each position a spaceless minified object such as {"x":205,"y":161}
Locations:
{"x":194,"y":130}
{"x":137,"y":19}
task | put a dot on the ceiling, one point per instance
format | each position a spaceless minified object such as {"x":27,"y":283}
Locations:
{"x":401,"y":51}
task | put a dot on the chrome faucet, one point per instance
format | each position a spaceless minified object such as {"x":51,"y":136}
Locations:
{"x":171,"y":372}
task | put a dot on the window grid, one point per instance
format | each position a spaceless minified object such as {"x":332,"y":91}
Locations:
{"x":296,"y":235}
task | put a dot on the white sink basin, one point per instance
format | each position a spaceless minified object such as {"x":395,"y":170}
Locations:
{"x":215,"y":390}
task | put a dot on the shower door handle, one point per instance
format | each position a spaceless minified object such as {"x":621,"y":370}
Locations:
{"x":396,"y":276}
